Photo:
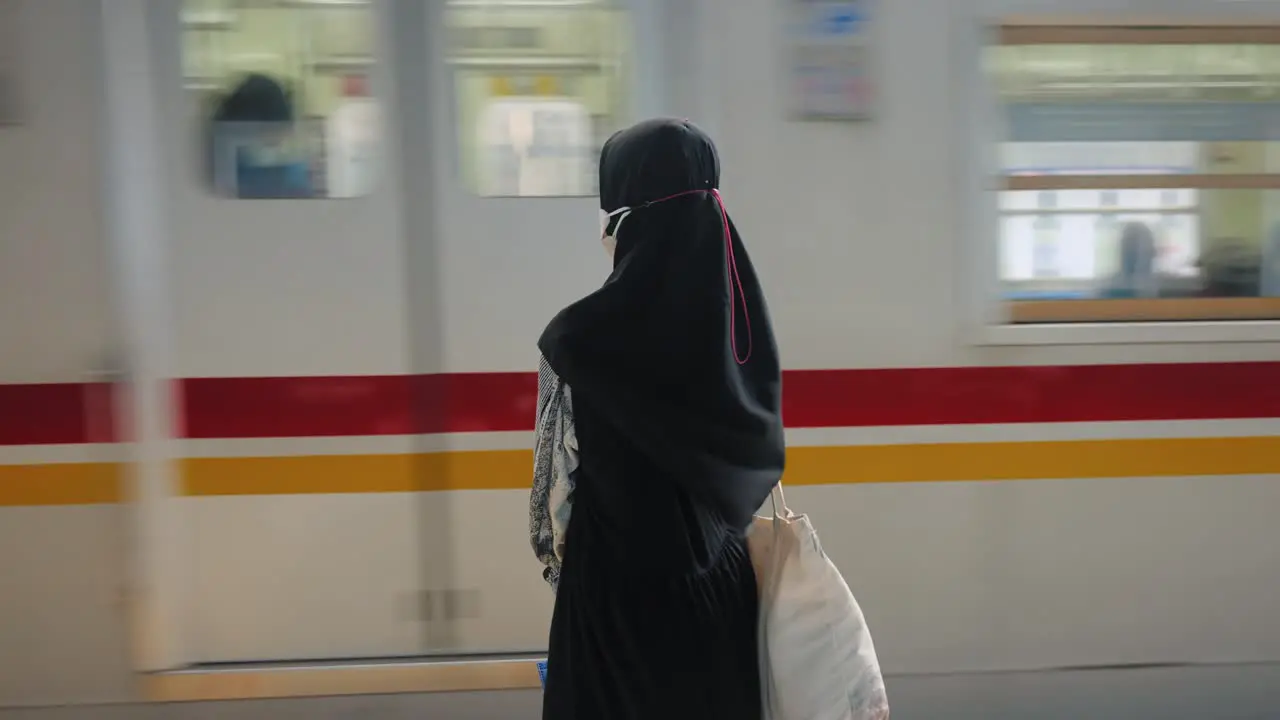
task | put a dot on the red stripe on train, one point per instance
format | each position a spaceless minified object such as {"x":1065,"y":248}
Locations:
{"x":358,"y":405}
{"x":56,"y":414}
{"x":489,"y":402}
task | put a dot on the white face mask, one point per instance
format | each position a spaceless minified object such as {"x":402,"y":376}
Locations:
{"x":610,"y":241}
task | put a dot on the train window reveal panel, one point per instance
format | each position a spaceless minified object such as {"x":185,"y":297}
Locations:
{"x":540,"y":86}
{"x":283,"y":89}
{"x":1140,"y":172}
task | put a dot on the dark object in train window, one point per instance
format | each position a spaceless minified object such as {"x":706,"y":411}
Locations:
{"x":258,"y":150}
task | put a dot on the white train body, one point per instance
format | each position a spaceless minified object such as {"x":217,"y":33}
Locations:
{"x":298,"y":430}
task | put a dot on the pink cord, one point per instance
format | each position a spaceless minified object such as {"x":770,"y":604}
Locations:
{"x":735,"y":281}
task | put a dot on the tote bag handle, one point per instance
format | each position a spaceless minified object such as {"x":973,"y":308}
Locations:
{"x":780,"y":509}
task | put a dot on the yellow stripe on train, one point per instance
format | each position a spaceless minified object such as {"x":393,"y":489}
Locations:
{"x":95,"y":483}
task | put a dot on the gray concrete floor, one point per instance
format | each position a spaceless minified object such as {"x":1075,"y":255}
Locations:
{"x":1247,"y":692}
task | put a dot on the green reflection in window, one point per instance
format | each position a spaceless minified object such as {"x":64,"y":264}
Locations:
{"x":539,"y":88}
{"x":1126,"y":73}
{"x":1142,"y":109}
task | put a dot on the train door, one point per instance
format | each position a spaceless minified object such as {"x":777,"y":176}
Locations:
{"x":297,"y":433}
{"x":523,"y":95}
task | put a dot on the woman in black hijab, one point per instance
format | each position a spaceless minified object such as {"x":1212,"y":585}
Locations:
{"x":676,"y":394}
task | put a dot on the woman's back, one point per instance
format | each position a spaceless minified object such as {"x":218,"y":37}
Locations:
{"x":676,"y":402}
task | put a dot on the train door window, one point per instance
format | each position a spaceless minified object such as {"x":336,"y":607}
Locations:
{"x":1158,"y":145}
{"x":285,"y":108}
{"x":541,"y":84}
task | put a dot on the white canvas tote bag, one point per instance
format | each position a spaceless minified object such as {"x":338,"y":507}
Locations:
{"x":817,"y":661}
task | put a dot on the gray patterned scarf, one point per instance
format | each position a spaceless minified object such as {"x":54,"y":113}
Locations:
{"x":555,"y":458}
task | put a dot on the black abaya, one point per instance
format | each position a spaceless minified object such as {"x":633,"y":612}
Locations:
{"x":647,"y":645}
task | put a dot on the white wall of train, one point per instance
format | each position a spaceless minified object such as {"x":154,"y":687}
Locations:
{"x":972,"y":546}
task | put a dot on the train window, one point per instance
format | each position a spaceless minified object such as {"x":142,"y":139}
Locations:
{"x":541,"y":84}
{"x":283,"y":91}
{"x":1140,"y":172}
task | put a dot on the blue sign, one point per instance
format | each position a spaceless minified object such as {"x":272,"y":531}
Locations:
{"x":841,"y":20}
{"x":829,"y":59}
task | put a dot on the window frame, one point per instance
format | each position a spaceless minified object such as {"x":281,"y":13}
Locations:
{"x":987,"y":317}
{"x":195,"y":88}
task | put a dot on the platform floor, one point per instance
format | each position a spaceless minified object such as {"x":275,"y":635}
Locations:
{"x":1240,"y":692}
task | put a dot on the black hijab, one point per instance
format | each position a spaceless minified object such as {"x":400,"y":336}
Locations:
{"x":661,"y":391}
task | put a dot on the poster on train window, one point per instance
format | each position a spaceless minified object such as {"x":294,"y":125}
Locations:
{"x":536,"y":147}
{"x":828,"y":73}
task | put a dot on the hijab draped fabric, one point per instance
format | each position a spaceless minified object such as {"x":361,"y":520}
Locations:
{"x":673,"y":363}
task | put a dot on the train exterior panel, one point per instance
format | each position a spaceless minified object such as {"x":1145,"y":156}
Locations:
{"x":350,"y":385}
